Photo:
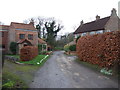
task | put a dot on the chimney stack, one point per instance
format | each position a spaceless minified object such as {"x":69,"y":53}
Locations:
{"x":81,"y":23}
{"x":31,"y":23}
{"x":97,"y":17}
{"x":113,"y":12}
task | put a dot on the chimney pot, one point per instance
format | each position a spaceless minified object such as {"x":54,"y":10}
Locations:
{"x":97,"y":17}
{"x":81,"y":23}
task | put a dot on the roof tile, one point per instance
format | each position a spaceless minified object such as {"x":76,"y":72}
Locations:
{"x":92,"y":26}
{"x":22,"y":26}
{"x":41,"y":41}
{"x":4,"y":27}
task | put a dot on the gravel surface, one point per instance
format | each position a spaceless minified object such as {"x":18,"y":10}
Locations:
{"x":62,"y":71}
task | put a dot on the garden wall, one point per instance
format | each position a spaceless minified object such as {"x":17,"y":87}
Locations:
{"x":27,"y":53}
{"x":100,"y":49}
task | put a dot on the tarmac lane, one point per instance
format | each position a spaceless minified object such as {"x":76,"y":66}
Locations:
{"x":62,"y":71}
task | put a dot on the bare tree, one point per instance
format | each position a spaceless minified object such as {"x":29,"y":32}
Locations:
{"x":40,"y":23}
{"x":27,"y":21}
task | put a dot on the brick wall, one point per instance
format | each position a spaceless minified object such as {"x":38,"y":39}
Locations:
{"x":11,"y":36}
{"x":4,"y":39}
{"x":35,"y":36}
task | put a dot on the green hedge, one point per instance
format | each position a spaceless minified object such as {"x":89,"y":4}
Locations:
{"x":72,"y":48}
{"x":13,"y":47}
{"x":58,"y":48}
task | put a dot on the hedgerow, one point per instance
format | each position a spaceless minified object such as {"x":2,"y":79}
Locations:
{"x":100,"y":49}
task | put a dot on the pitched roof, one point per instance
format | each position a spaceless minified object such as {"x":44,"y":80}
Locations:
{"x":41,"y":41}
{"x":22,"y":26}
{"x":4,"y":27}
{"x":24,"y":40}
{"x":92,"y":26}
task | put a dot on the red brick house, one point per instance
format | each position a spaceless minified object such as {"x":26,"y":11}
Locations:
{"x":100,"y":25}
{"x":23,"y":34}
{"x":3,"y":39}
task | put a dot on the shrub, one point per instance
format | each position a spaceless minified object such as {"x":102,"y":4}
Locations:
{"x":13,"y":47}
{"x":9,"y":84}
{"x":66,"y":48}
{"x":77,"y":38}
{"x":27,"y":53}
{"x":58,"y":48}
{"x":72,"y":48}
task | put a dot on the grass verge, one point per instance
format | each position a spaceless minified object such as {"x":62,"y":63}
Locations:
{"x":92,"y":66}
{"x":20,"y":76}
{"x":16,"y":56}
{"x":36,"y":60}
{"x":17,"y":76}
{"x":11,"y":80}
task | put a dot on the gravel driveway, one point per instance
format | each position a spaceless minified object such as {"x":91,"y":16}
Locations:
{"x":62,"y":71}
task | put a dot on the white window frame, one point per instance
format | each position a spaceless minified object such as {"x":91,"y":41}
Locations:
{"x":108,"y":30}
{"x":77,"y":35}
{"x":92,"y":33}
{"x":83,"y":34}
{"x":99,"y":32}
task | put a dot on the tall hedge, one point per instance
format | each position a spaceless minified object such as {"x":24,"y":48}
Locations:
{"x":27,"y":53}
{"x":100,"y":49}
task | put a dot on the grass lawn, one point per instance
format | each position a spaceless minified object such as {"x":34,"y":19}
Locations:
{"x":94,"y":67}
{"x":17,"y":56}
{"x":17,"y":76}
{"x":36,"y":60}
{"x":20,"y":76}
{"x":11,"y":80}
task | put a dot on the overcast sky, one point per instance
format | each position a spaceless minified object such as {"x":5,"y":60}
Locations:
{"x":70,"y":12}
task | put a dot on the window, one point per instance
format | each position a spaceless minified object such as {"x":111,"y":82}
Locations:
{"x":77,"y":35}
{"x":30,"y":36}
{"x":108,"y":30}
{"x":3,"y":46}
{"x":98,"y":32}
{"x":91,"y":33}
{"x":2,"y":34}
{"x":83,"y":34}
{"x":21,"y":36}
